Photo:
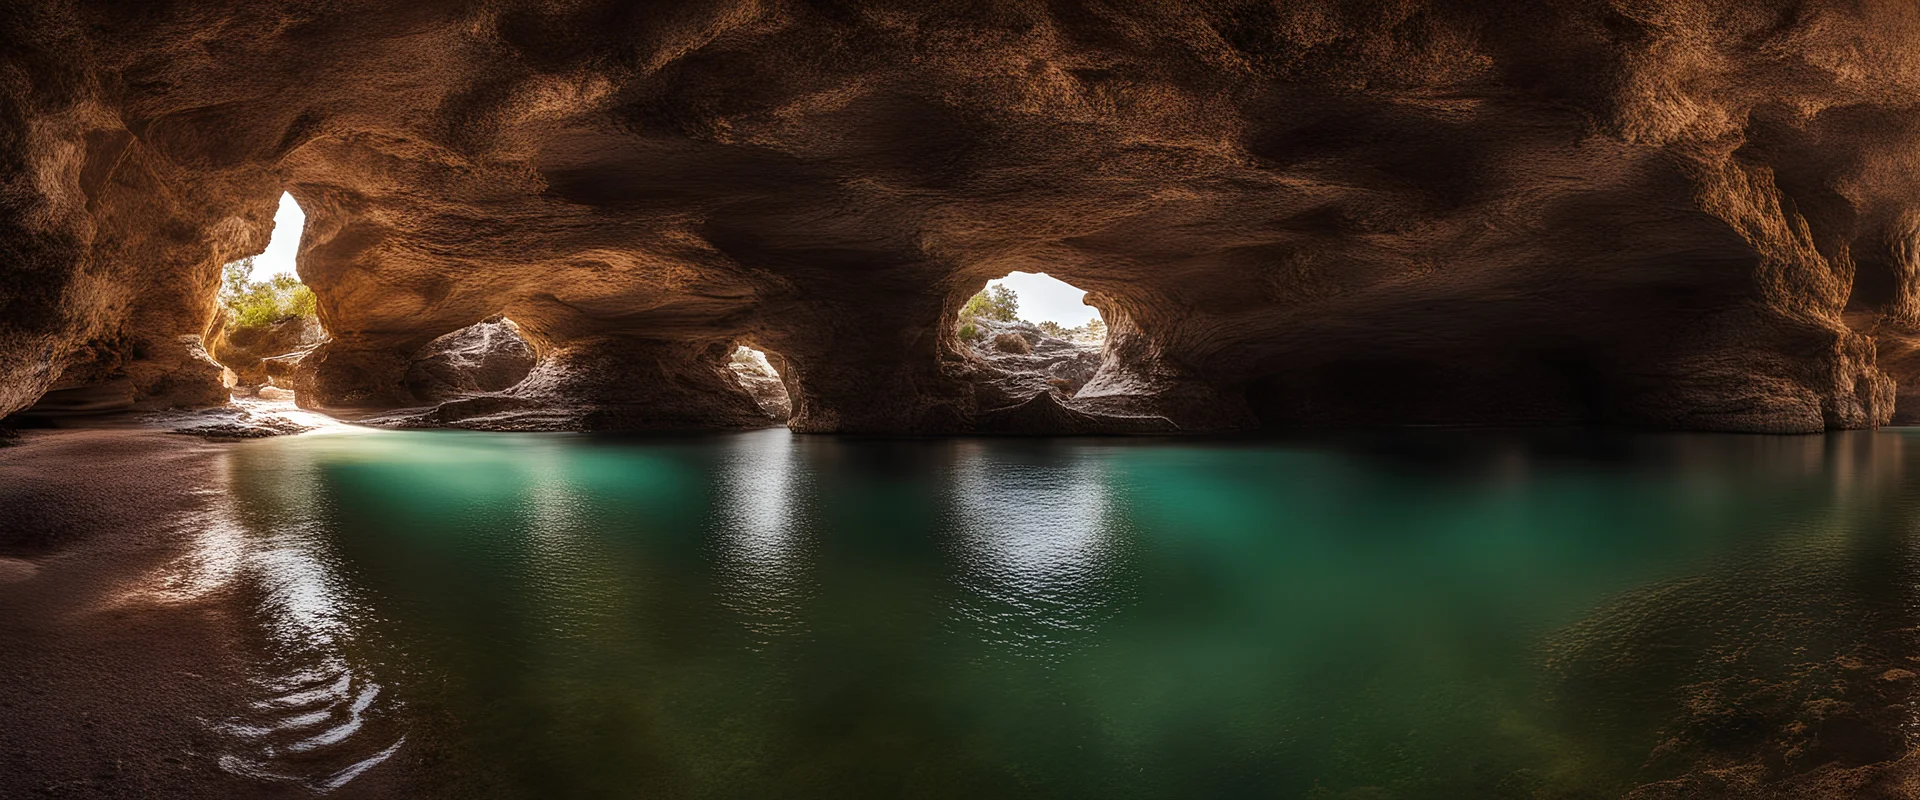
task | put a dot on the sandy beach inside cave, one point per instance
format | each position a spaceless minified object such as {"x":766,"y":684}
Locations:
{"x":114,"y":652}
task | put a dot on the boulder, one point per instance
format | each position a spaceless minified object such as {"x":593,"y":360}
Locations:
{"x":487,"y":356}
{"x":246,"y":350}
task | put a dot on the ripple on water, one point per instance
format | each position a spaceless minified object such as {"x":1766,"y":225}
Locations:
{"x":313,"y":718}
{"x":320,"y":728}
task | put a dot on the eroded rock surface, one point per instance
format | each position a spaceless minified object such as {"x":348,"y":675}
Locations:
{"x":1026,"y":380}
{"x":236,"y":422}
{"x":608,"y":384}
{"x":761,"y":379}
{"x":1652,"y":213}
{"x":489,"y":356}
{"x":255,"y":354}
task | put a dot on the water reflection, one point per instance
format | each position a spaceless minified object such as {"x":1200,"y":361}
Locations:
{"x":1424,"y":615}
{"x":317,"y":718}
{"x":762,"y":554}
{"x":1035,"y":546}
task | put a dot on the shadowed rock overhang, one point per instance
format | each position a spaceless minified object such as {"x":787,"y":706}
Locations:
{"x":1672,"y":214}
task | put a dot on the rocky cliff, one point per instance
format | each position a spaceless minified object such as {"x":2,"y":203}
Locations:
{"x":1656,"y":213}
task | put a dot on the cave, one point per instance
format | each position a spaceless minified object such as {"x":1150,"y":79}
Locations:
{"x":1247,"y":245}
{"x":1030,"y":377}
{"x":1516,"y":388}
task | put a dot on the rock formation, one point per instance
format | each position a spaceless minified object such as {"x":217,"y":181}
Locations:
{"x":1664,"y":213}
{"x":1017,"y":362}
{"x":757,"y":375}
{"x":255,"y":354}
{"x":489,"y":356}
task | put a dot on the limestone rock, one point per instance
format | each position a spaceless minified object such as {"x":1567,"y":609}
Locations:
{"x":758,"y":376}
{"x":1027,"y":360}
{"x":488,"y":356}
{"x":607,"y":384}
{"x":247,"y":350}
{"x":1656,"y":214}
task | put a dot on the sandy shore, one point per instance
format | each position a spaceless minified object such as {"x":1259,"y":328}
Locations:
{"x":110,"y":667}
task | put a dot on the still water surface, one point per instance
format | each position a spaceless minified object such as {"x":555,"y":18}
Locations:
{"x":1411,"y":615}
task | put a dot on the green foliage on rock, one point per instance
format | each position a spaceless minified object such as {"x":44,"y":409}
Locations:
{"x":994,"y":302}
{"x":257,"y":304}
{"x":997,"y":302}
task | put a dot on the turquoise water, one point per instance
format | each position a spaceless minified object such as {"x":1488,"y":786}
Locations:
{"x":1415,"y":615}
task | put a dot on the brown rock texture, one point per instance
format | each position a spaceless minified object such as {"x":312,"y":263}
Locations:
{"x":489,"y":356}
{"x":1639,"y":212}
{"x":251,"y":351}
{"x":761,"y":379}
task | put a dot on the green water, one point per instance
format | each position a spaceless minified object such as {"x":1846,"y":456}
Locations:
{"x":1418,"y":615}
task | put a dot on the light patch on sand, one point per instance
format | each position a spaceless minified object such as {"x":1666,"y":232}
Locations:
{"x":284,"y":408}
{"x":15,"y":570}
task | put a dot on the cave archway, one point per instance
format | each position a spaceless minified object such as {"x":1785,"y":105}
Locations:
{"x":266,"y":319}
{"x":1032,"y":333}
{"x":761,"y":375}
{"x":489,"y":356}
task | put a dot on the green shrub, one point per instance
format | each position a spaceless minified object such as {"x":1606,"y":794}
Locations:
{"x":257,"y":304}
{"x":970,"y":332}
{"x":994,"y":302}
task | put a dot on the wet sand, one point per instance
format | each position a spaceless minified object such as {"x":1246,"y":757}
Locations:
{"x":110,"y":666}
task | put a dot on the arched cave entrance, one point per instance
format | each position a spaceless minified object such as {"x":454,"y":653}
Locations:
{"x":1033,"y":334}
{"x":492,"y":355}
{"x":267,"y":320}
{"x":759,"y":374}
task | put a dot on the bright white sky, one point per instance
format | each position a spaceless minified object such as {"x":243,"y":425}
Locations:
{"x":1044,"y":297}
{"x":288,"y":222}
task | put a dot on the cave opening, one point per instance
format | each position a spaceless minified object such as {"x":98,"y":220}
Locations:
{"x":266,"y":319}
{"x":761,"y":375}
{"x":1035,"y":331}
{"x":489,"y":356}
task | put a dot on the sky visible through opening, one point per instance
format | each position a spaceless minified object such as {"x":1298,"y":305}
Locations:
{"x":288,"y":222}
{"x":1044,"y":297}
